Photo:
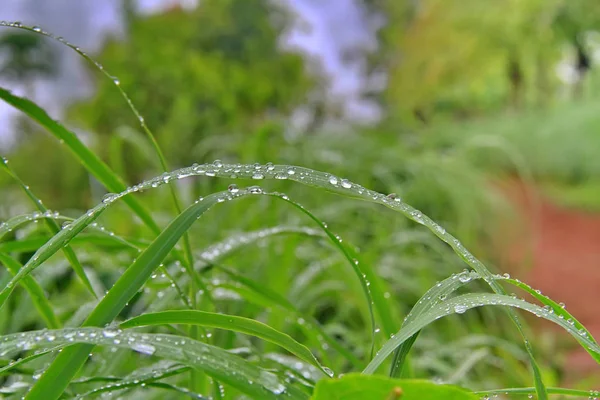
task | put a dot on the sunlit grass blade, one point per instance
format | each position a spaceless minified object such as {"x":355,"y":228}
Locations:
{"x":35,"y":292}
{"x":459,"y":305}
{"x":86,"y":157}
{"x":52,"y":226}
{"x":215,"y":361}
{"x":229,"y":322}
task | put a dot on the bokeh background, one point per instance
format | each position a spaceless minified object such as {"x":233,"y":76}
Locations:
{"x":483,"y":114}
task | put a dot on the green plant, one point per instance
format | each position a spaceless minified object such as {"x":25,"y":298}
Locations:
{"x":177,"y":296}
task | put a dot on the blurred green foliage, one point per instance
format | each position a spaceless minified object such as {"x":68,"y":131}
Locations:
{"x":207,"y":72}
{"x":464,"y":58}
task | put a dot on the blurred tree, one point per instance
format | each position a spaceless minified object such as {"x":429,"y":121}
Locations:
{"x":26,"y":56}
{"x":461,"y":57}
{"x":214,"y":70}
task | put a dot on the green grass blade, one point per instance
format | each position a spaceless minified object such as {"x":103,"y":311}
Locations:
{"x":52,"y":226}
{"x":433,"y":296}
{"x":228,"y":322}
{"x":136,"y":383}
{"x":20,"y":220}
{"x":215,"y":361}
{"x":370,"y":281}
{"x":459,"y":305}
{"x":144,"y":376}
{"x":351,"y":256}
{"x":310,"y":327}
{"x":52,"y":246}
{"x":35,"y":292}
{"x":86,"y":157}
{"x":588,"y":394}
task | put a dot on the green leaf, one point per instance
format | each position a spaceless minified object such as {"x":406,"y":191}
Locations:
{"x":362,"y":387}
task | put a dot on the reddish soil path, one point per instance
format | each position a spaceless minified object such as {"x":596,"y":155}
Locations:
{"x":557,"y":250}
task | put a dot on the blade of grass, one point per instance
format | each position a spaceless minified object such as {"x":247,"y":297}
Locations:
{"x":459,"y":305}
{"x":142,"y":377}
{"x":218,"y":363}
{"x":86,"y":157}
{"x":228,"y":322}
{"x":310,"y":324}
{"x":52,"y":226}
{"x":56,"y":378}
{"x":589,"y":394}
{"x":35,"y":292}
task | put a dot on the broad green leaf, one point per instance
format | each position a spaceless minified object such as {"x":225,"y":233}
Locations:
{"x":362,"y":387}
{"x":229,"y":322}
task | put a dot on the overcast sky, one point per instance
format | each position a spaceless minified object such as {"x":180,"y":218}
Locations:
{"x":335,"y":25}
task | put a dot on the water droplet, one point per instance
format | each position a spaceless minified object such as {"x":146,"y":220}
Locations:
{"x":333,"y":180}
{"x":144,"y":348}
{"x":258,"y":175}
{"x":217,"y":163}
{"x":109,"y":333}
{"x":36,"y":29}
{"x":464,"y":277}
{"x":346,"y":184}
{"x":233,"y":188}
{"x":460,"y":308}
{"x":328,"y":371}
{"x":109,"y":198}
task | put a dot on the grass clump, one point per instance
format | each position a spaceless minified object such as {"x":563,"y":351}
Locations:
{"x":279,"y":307}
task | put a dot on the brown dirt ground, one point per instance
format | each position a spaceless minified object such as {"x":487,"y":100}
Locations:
{"x":556,"y":250}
